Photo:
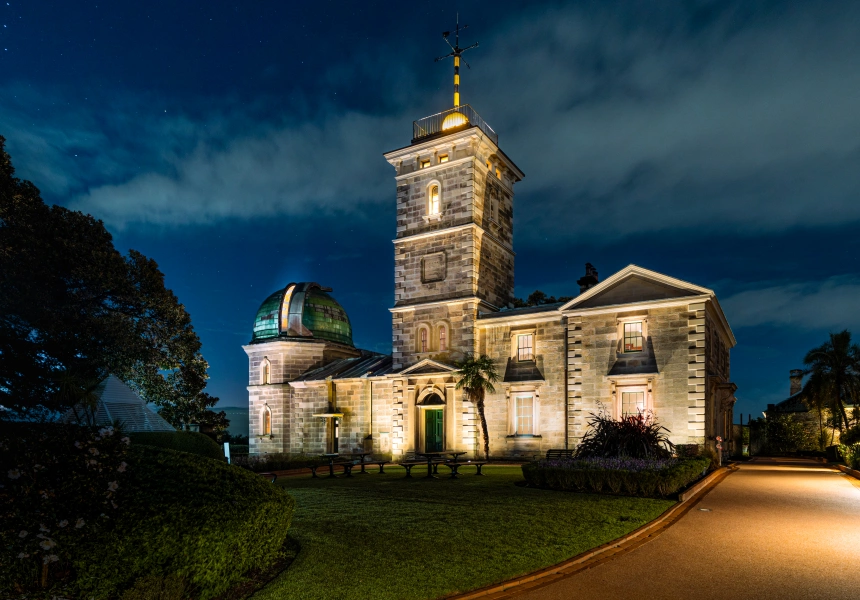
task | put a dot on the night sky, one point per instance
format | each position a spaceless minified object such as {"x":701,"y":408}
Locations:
{"x":240,"y":146}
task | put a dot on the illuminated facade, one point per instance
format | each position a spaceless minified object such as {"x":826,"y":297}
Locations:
{"x":638,"y":341}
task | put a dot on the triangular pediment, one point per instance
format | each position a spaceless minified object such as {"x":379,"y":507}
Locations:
{"x":633,"y":285}
{"x":428,"y":367}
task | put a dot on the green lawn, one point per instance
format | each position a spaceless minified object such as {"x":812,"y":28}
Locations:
{"x":385,"y":536}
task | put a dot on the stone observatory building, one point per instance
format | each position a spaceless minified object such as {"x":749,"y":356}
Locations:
{"x":637,"y":341}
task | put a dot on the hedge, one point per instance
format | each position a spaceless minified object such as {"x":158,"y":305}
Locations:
{"x":184,"y":441}
{"x":628,"y":477}
{"x":189,"y":519}
{"x":277,"y":462}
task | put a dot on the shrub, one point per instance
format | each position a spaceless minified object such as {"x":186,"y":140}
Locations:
{"x":851,"y":436}
{"x":183,"y":441}
{"x":59,"y":491}
{"x":851,"y":455}
{"x":624,"y":476}
{"x":634,"y":436}
{"x":186,"y":519}
{"x":277,"y":462}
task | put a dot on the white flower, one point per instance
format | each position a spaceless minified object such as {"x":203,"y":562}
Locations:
{"x":23,"y":555}
{"x":121,"y":467}
{"x":79,"y":523}
{"x":14,"y":473}
{"x":94,"y":451}
{"x":23,"y":534}
{"x":63,"y":523}
{"x":50,"y":558}
{"x":126,"y":440}
{"x":47,"y":544}
{"x":77,"y":444}
{"x":106,"y":431}
{"x":44,"y":529}
{"x":112,"y":486}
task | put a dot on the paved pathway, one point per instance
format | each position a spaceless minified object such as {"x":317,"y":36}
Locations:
{"x":779,"y":529}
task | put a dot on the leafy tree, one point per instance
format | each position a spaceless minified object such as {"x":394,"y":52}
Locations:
{"x":784,"y":433}
{"x":835,"y":372}
{"x":538,"y":298}
{"x":477,"y":376}
{"x":73,"y":310}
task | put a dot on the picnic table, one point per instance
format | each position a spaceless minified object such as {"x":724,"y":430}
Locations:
{"x":347,"y":466}
{"x":431,"y":457}
{"x":455,"y":455}
{"x":361,"y":456}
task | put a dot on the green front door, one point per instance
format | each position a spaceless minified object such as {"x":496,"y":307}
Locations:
{"x":432,"y":431}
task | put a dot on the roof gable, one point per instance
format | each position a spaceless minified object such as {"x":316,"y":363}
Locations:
{"x":632,"y":285}
{"x":427,"y":366}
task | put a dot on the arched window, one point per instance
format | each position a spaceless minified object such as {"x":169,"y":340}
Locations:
{"x":443,"y":338}
{"x":266,"y":371}
{"x":266,"y":428}
{"x":433,"y":203}
{"x":422,"y":340}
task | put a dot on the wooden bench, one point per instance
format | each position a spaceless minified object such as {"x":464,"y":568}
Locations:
{"x":347,"y":467}
{"x":273,"y":476}
{"x":408,"y":464}
{"x":456,"y":466}
{"x":558,"y":453}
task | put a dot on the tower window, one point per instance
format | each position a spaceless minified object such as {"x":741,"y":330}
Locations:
{"x":633,"y":337}
{"x":443,"y":158}
{"x":422,"y":343}
{"x":266,"y":371}
{"x":443,"y":339}
{"x":425,"y":163}
{"x":498,"y":173}
{"x":525,"y":347}
{"x":266,"y":428}
{"x":434,"y":205}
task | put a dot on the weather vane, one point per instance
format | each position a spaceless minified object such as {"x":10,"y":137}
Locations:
{"x":456,"y":51}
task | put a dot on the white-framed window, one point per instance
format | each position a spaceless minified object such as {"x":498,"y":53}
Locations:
{"x":632,"y":402}
{"x":525,"y":347}
{"x":266,"y":421}
{"x":524,"y":414}
{"x":266,"y":371}
{"x":443,"y":338}
{"x":424,"y":163}
{"x":434,"y":200}
{"x":633,"y":338}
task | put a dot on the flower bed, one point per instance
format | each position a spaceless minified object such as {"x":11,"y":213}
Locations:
{"x":623,"y":476}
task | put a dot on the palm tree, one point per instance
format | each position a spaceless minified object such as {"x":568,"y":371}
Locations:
{"x":816,"y":395}
{"x":477,"y":376}
{"x":835,"y":366}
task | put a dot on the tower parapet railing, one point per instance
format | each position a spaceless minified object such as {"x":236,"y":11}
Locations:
{"x":449,"y":121}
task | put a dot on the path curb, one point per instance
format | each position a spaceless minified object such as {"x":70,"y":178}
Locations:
{"x":606,"y":551}
{"x":848,"y":471}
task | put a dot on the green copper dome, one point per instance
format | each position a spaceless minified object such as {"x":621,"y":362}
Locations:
{"x":302,"y":310}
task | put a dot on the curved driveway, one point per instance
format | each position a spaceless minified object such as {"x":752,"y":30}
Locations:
{"x":779,"y":529}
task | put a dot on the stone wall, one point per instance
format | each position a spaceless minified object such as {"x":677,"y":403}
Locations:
{"x":460,"y":319}
{"x":548,"y":369}
{"x":677,"y":389}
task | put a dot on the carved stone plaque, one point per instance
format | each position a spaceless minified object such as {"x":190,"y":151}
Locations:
{"x":433,"y":267}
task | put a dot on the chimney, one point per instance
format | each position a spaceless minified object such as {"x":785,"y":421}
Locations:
{"x":796,"y":378}
{"x":590,"y":279}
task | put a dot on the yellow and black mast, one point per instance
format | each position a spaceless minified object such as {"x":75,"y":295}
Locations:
{"x":456,"y":51}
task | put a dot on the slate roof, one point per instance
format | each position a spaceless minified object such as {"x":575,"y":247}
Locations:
{"x":369,"y":364}
{"x":526,"y":310}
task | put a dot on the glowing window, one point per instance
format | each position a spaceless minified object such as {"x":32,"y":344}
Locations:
{"x":443,"y":339}
{"x":422,"y":346}
{"x":443,"y":158}
{"x":267,"y":371}
{"x":524,"y":421}
{"x":498,"y":173}
{"x":633,"y":337}
{"x":267,"y":421}
{"x":525,"y":347}
{"x":425,"y":163}
{"x":434,"y":204}
{"x":632,"y":403}
{"x":489,"y":165}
